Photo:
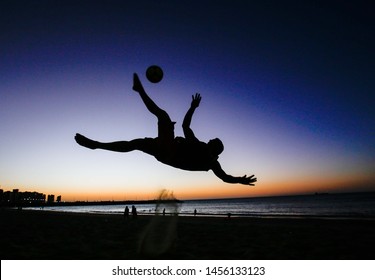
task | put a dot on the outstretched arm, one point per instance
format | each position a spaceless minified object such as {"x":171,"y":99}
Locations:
{"x":245,"y":180}
{"x":188,"y":132}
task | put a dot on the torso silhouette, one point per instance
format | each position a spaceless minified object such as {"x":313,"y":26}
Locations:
{"x":189,"y":155}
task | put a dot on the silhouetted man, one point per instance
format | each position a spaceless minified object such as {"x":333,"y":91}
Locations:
{"x":185,"y":153}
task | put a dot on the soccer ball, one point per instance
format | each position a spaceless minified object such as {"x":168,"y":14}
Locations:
{"x":154,"y":74}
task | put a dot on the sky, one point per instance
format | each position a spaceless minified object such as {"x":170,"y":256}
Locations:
{"x":288,"y":86}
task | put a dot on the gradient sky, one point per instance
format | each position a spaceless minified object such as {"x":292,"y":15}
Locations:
{"x":287,"y":85}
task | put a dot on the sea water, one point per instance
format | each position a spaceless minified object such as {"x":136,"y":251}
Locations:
{"x":324,"y":205}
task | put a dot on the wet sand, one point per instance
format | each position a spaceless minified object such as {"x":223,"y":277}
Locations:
{"x":53,"y":235}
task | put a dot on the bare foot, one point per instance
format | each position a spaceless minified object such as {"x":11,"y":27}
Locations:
{"x":137,"y":85}
{"x":86,"y":142}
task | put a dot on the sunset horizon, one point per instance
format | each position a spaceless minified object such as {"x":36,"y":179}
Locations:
{"x":221,"y":192}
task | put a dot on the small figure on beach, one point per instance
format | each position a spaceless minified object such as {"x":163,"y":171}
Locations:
{"x":164,"y":212}
{"x":187,"y":153}
{"x":126,"y":212}
{"x":195,"y":212}
{"x":134,"y":212}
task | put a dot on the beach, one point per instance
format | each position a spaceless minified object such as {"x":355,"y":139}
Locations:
{"x":41,"y":235}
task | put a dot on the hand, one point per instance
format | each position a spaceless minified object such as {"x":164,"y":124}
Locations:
{"x":248,"y":180}
{"x":196,"y":100}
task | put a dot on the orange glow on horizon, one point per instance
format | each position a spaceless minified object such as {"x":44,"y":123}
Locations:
{"x":221,"y":190}
{"x":224,"y":191}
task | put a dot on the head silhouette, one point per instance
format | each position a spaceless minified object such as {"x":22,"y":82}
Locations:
{"x":216,"y":146}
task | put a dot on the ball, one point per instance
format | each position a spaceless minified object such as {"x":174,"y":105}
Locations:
{"x":154,"y":74}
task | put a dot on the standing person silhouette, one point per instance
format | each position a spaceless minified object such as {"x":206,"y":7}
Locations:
{"x":126,"y":212}
{"x":187,"y":153}
{"x":134,"y":212}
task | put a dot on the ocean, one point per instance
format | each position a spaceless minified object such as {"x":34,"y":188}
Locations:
{"x":354,"y":205}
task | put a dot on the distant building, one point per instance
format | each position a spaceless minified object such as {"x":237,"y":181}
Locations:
{"x":15,"y":198}
{"x":58,"y":199}
{"x":51,"y":198}
{"x":33,"y":198}
{"x":6,"y":197}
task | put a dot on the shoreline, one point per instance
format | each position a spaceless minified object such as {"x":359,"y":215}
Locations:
{"x":206,"y":215}
{"x":61,"y":235}
{"x":323,"y":206}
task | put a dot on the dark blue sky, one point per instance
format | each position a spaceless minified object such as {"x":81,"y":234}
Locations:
{"x":298,"y":71}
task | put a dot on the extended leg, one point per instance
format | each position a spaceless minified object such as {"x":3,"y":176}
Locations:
{"x":145,"y":145}
{"x":150,"y":104}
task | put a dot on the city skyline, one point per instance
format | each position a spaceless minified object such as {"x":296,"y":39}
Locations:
{"x":15,"y":197}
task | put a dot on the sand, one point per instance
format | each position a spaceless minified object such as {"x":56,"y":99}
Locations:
{"x":43,"y":235}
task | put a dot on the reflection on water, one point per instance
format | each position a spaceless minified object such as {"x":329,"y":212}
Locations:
{"x":342,"y":205}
